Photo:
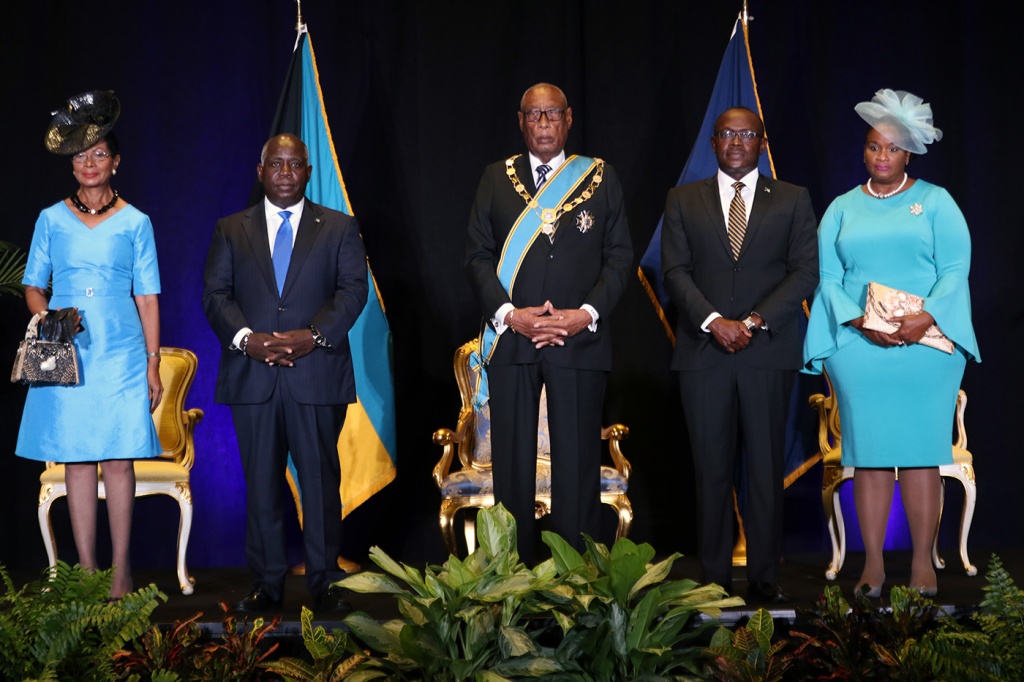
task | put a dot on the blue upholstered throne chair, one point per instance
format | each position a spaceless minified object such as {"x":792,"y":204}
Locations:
{"x":470,"y":486}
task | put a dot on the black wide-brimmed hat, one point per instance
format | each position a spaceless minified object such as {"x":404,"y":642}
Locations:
{"x":82,"y":122}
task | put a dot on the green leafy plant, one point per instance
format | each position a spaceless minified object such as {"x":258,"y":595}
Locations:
{"x":12,"y":269}
{"x":162,"y":656}
{"x":185,"y":652}
{"x":64,"y":627}
{"x":911,"y":639}
{"x":460,"y":619}
{"x":604,"y":615}
{"x":621,"y":618}
{"x":333,"y":655}
{"x":749,"y":653}
{"x":1001,"y":618}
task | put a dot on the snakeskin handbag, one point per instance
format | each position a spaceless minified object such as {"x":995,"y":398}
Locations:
{"x":884,"y":303}
{"x":46,"y":361}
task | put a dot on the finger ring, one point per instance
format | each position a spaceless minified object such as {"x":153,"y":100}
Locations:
{"x":901,"y":344}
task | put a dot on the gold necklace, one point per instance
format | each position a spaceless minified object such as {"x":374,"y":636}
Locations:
{"x":549,"y":216}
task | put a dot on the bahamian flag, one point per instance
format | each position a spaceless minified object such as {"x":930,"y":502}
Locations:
{"x":734,"y":87}
{"x":367,"y":445}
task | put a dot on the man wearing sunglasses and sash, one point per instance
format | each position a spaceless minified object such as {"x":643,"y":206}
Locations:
{"x":549,"y":254}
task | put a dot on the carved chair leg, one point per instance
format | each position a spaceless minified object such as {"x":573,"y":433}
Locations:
{"x":836,"y":527}
{"x":185,"y":581}
{"x":446,"y":520}
{"x":46,"y":529}
{"x":469,"y":530}
{"x":937,"y":559}
{"x":970,"y":499}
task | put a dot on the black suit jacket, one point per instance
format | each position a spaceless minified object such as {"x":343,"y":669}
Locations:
{"x":580,"y":267}
{"x":776,"y":270}
{"x":326,"y":287}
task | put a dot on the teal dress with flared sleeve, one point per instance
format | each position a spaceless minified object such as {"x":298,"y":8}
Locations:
{"x":98,"y":270}
{"x":896,"y":404}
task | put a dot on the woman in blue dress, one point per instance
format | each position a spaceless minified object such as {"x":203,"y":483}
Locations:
{"x":100,"y":253}
{"x":896,"y":396}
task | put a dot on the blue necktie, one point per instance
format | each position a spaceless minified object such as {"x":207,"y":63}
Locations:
{"x":282,"y":250}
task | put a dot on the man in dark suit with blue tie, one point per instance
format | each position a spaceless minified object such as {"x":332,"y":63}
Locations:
{"x":739,"y":254}
{"x":285,"y":280}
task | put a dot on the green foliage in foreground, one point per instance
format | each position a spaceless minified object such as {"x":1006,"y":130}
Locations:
{"x":603,"y":615}
{"x":64,"y":627}
{"x":606,"y":614}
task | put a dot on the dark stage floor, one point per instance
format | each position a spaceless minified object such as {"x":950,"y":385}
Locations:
{"x":802,"y":577}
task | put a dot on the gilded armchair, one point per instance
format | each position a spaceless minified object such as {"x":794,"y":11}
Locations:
{"x":830,"y":442}
{"x":471,"y":487}
{"x":167,"y":474}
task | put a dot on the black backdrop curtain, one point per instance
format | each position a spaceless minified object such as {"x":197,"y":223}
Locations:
{"x":420,"y":96}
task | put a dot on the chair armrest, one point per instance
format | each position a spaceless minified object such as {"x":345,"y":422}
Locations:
{"x":450,"y":441}
{"x":191,"y":418}
{"x":817,"y":401}
{"x":615,"y":434}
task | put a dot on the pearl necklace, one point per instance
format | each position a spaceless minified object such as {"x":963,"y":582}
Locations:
{"x":93,"y":211}
{"x":887,"y":194}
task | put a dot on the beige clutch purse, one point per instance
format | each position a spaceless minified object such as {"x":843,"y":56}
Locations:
{"x":884,"y":302}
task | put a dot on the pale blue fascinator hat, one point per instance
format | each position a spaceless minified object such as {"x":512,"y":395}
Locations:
{"x":904,"y":118}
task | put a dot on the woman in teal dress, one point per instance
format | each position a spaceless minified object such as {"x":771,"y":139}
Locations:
{"x":896,"y":396}
{"x":100,"y":253}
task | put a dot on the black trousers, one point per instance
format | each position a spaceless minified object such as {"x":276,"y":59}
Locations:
{"x":730,"y":409}
{"x":575,"y":400}
{"x":267,"y":433}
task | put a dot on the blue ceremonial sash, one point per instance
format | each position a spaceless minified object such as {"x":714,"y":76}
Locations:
{"x":556,"y":191}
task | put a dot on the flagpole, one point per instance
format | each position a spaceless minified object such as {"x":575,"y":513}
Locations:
{"x":300,"y":26}
{"x":744,"y":15}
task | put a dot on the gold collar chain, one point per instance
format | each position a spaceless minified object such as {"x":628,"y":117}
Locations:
{"x":550,"y":216}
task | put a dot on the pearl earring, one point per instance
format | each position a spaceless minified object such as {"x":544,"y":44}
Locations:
{"x":115,"y":171}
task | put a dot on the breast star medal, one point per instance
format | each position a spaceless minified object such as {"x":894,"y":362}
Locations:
{"x":584,"y":221}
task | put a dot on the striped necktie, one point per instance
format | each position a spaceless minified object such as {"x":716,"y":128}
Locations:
{"x":737,"y":220}
{"x":542,"y":174}
{"x":282,"y":250}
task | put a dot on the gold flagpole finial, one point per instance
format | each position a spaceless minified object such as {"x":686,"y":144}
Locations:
{"x":744,"y":15}
{"x":299,"y":25}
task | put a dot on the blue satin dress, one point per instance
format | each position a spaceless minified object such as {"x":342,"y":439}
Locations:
{"x":895,"y":404}
{"x":97,"y":270}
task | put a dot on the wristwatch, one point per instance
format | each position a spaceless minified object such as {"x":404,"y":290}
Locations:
{"x":748,"y":322}
{"x":319,"y":339}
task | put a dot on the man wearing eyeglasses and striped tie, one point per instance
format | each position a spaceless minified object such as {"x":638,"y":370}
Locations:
{"x":548,"y":255}
{"x":739,"y":255}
